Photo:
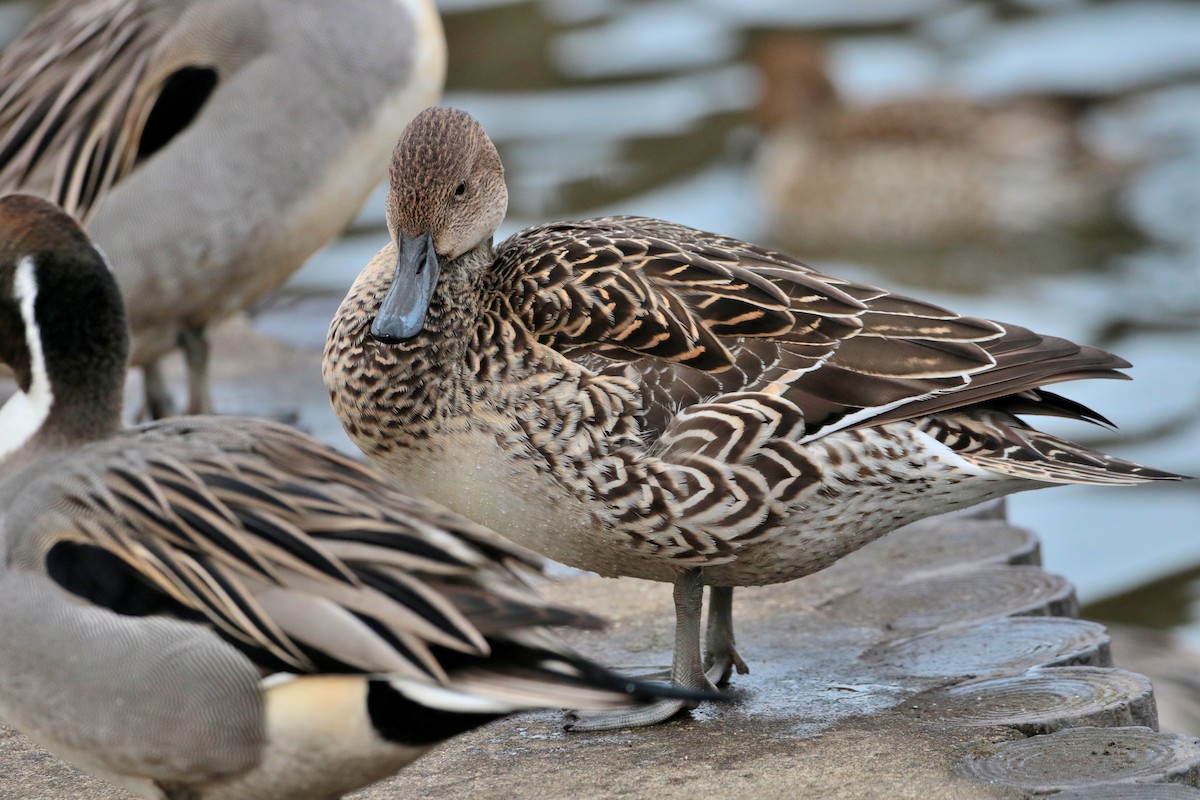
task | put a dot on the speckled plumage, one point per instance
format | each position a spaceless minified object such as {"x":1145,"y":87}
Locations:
{"x":635,"y":397}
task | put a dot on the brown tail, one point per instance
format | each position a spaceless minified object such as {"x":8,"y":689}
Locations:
{"x":1003,"y":444}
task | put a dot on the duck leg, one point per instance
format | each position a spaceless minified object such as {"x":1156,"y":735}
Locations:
{"x":720,"y":655}
{"x":156,"y":399}
{"x":687,"y":669}
{"x":195,"y":353}
{"x":181,"y":794}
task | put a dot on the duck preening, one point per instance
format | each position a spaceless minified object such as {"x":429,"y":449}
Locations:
{"x":221,"y":607}
{"x":210,"y":146}
{"x":635,"y":397}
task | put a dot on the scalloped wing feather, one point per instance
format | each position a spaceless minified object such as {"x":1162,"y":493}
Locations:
{"x":226,"y":520}
{"x":606,"y":286}
{"x":729,"y":469}
{"x":694,"y":314}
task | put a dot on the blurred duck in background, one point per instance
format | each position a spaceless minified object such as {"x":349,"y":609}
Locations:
{"x":210,"y":146}
{"x":916,"y":172}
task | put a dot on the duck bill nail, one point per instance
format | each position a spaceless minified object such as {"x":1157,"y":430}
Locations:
{"x":402,"y":313}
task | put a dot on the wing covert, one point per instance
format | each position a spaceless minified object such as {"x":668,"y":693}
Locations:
{"x":695,"y":314}
{"x":615,"y":287}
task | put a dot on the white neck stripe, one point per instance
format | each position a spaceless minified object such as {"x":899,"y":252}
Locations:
{"x":25,"y":412}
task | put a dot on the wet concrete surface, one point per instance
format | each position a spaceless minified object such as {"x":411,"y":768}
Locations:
{"x":810,"y":720}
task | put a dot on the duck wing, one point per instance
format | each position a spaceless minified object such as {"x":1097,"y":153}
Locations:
{"x":302,"y":558}
{"x":690,"y":315}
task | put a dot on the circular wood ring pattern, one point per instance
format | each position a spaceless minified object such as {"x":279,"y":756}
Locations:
{"x":1044,"y":700}
{"x":957,"y":597}
{"x":997,"y":647}
{"x":938,"y":544}
{"x":1131,"y":791}
{"x":1089,"y":756}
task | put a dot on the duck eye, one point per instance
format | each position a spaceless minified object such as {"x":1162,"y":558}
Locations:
{"x":461,"y":189}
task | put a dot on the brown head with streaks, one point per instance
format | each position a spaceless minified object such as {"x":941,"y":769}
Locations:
{"x":447,"y":198}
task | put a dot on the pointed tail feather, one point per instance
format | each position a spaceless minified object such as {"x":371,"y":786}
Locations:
{"x":1025,"y":361}
{"x":1043,"y":457}
{"x":1049,"y":404}
{"x":517,"y":677}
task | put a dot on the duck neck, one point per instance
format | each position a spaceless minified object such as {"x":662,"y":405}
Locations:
{"x":453,"y":315}
{"x":70,"y":372}
{"x":444,"y":363}
{"x":422,"y":385}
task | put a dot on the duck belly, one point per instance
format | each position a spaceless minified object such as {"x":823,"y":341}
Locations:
{"x":873,"y":481}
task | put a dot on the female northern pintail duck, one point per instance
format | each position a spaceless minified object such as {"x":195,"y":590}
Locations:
{"x":635,"y":397}
{"x":210,"y":146}
{"x":214,"y":607}
{"x":917,"y":172}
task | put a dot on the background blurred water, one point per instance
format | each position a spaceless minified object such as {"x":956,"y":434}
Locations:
{"x":659,"y":108}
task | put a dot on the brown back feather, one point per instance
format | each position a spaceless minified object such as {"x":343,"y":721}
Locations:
{"x":695,"y":314}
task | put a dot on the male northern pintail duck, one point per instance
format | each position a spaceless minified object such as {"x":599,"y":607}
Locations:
{"x":210,"y":146}
{"x":634,"y":397}
{"x":213,"y":607}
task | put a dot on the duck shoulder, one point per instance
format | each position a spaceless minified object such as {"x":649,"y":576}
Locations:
{"x":302,"y":558}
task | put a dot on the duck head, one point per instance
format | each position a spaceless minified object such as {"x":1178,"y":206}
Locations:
{"x":62,"y":327}
{"x":447,"y":197}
